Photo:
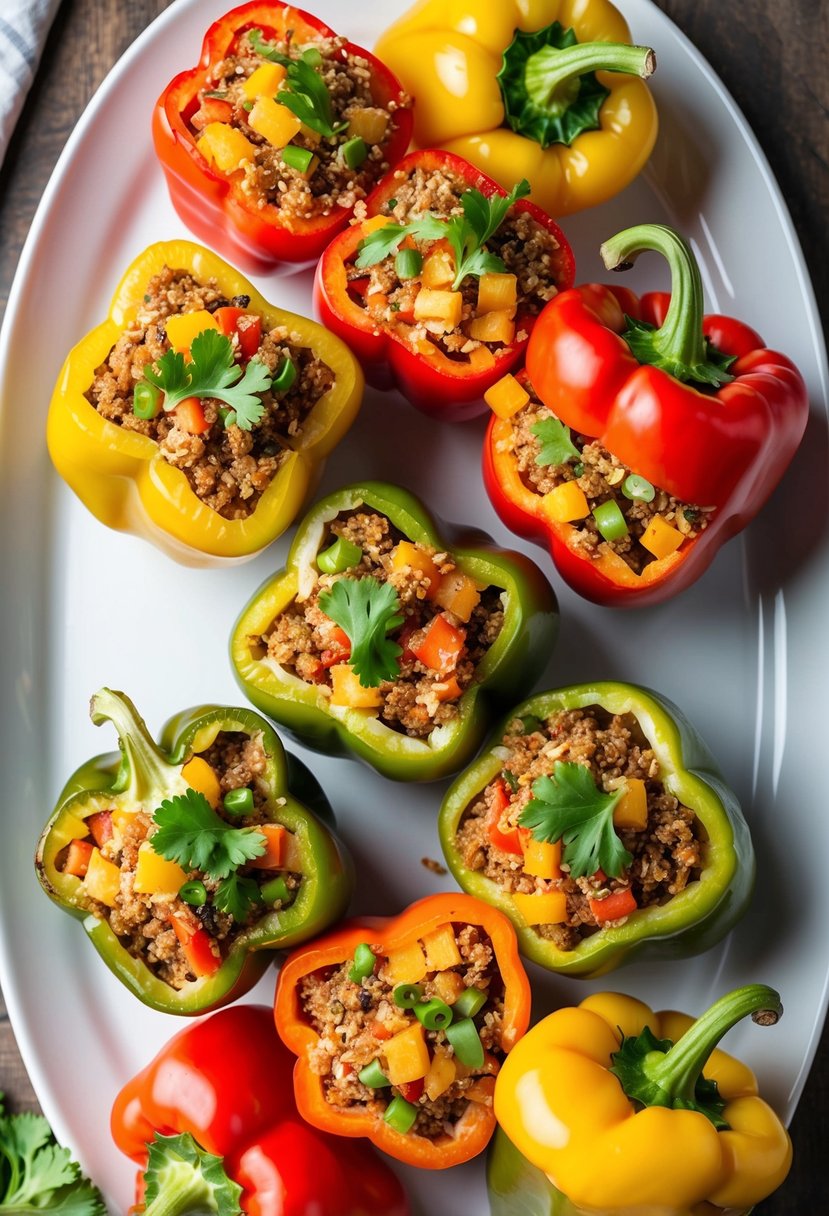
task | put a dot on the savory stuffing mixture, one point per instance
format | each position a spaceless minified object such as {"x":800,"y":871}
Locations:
{"x":413,"y":1034}
{"x":611,"y":509}
{"x":302,"y":127}
{"x":638,"y":846}
{"x":440,"y":287}
{"x":230,"y":444}
{"x":390,"y":627}
{"x":181,"y":919}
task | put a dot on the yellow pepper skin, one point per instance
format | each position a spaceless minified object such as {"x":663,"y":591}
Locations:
{"x":447,"y":53}
{"x":605,"y":1153}
{"x":122,"y":477}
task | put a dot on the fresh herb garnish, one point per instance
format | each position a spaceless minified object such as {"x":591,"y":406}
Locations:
{"x":190,"y":832}
{"x":511,"y":780}
{"x":37,"y":1174}
{"x":556,"y":445}
{"x":383,"y":242}
{"x":304,"y":92}
{"x":236,"y":895}
{"x":468,"y":233}
{"x":212,"y":372}
{"x":188,"y":1179}
{"x":570,"y":807}
{"x":367,"y":610}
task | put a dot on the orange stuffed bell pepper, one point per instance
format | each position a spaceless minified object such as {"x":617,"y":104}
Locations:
{"x":402,"y":1025}
{"x":632,"y":1113}
{"x":197,"y":414}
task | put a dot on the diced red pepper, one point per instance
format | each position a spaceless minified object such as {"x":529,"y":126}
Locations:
{"x":77,"y":858}
{"x":411,"y":1090}
{"x":100,"y":827}
{"x":340,"y":649}
{"x":508,"y":842}
{"x":197,"y":945}
{"x":213,"y":109}
{"x":613,"y":906}
{"x":190,"y":416}
{"x":246,"y":325}
{"x":441,"y":645}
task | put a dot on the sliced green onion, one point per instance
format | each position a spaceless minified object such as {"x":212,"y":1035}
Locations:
{"x":406,"y":996}
{"x":194,"y":893}
{"x":340,"y":556}
{"x":610,"y":521}
{"x":220,"y":94}
{"x":247,"y":106}
{"x":391,"y":203}
{"x":434,"y":1014}
{"x":312,"y":56}
{"x":373,"y":1076}
{"x":466,"y":1041}
{"x":470,"y":1002}
{"x":285,"y":377}
{"x":239,"y":802}
{"x":146,"y":400}
{"x":400,"y":1114}
{"x":408,"y":263}
{"x":638,"y":487}
{"x":275,"y":891}
{"x":363,"y":963}
{"x":354,"y":152}
{"x":297,"y":158}
{"x":531,"y":724}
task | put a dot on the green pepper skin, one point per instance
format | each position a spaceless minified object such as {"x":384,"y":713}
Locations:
{"x":518,"y":1188}
{"x":693,"y":920}
{"x":507,"y":671}
{"x":144,"y":774}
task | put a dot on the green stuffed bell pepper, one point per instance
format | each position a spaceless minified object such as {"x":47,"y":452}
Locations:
{"x":389,"y":639}
{"x":596,"y":819}
{"x":191,"y":861}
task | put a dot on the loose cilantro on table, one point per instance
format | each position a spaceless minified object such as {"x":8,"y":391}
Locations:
{"x":570,"y":807}
{"x":304,"y":92}
{"x":212,"y":372}
{"x":38,"y":1175}
{"x":557,"y":447}
{"x":366,"y":610}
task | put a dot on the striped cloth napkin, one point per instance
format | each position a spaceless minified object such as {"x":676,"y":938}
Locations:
{"x":24,"y":25}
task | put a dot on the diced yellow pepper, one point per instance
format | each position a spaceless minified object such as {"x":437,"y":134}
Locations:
{"x":275,"y":123}
{"x":407,"y":554}
{"x":102,"y":879}
{"x":264,"y":81}
{"x":407,"y":1056}
{"x":441,"y":1074}
{"x":224,"y":146}
{"x":182,"y":327}
{"x":506,"y":397}
{"x":369,"y":124}
{"x":346,"y":689}
{"x":155,"y":875}
{"x":543,"y":908}
{"x":448,"y":986}
{"x":443,"y":306}
{"x":122,"y":819}
{"x":565,"y":502}
{"x":497,"y":292}
{"x":660,"y":539}
{"x":73,"y":828}
{"x":493,"y":327}
{"x":376,"y":221}
{"x":457,"y":593}
{"x":481,"y":359}
{"x":631,"y":811}
{"x":441,"y":949}
{"x":438,"y":268}
{"x":542,"y":858}
{"x":406,"y":965}
{"x":200,"y":776}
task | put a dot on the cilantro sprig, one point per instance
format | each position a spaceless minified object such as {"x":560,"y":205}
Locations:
{"x":212,"y":371}
{"x":383,"y":242}
{"x":304,"y":92}
{"x":469,"y":233}
{"x":37,"y":1174}
{"x":570,"y":807}
{"x":557,"y":446}
{"x":367,"y":610}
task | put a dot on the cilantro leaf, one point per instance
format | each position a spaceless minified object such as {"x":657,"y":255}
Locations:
{"x":556,"y":445}
{"x":190,"y":832}
{"x":236,"y":895}
{"x":570,"y":807}
{"x":37,"y":1174}
{"x":627,"y":1066}
{"x":212,"y":372}
{"x":468,"y":234}
{"x":304,"y":91}
{"x":367,"y":610}
{"x":384,"y":241}
{"x":189,"y":1179}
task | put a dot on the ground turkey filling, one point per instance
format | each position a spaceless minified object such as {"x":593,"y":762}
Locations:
{"x":530,"y":254}
{"x":338,"y":172}
{"x":359,"y":1023}
{"x":307,"y":642}
{"x":227,"y":467}
{"x":601,"y":477}
{"x":143,"y":921}
{"x":667,"y":852}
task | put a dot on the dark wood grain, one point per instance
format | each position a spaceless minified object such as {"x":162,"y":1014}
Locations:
{"x":771,"y":56}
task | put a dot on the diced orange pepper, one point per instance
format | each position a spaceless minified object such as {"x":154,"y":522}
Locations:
{"x":189,"y":415}
{"x":631,"y":811}
{"x":493,"y":327}
{"x":181,"y":328}
{"x":508,"y":842}
{"x":447,"y":690}
{"x":542,"y":858}
{"x":405,"y":553}
{"x":99,"y":826}
{"x":441,"y":949}
{"x":273,"y":856}
{"x":201,"y":776}
{"x":506,"y":397}
{"x":497,"y":293}
{"x":197,"y":945}
{"x":346,"y":689}
{"x":613,"y":906}
{"x":77,"y":858}
{"x":407,"y":965}
{"x":565,"y":503}
{"x":263,"y":81}
{"x":542,"y":908}
{"x":458,"y":594}
{"x":660,"y":538}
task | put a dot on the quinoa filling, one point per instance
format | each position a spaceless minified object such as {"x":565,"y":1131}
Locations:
{"x":177,"y":921}
{"x":412,"y":1035}
{"x":229,"y":461}
{"x":305,"y":169}
{"x":439,"y":624}
{"x":664,"y":841}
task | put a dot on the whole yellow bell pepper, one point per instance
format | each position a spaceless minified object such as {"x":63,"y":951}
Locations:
{"x":632,"y":1113}
{"x":510,"y":86}
{"x":122,"y":476}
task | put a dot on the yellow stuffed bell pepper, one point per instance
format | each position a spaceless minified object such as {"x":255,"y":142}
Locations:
{"x":546,"y":90}
{"x":197,"y":414}
{"x":631,"y":1113}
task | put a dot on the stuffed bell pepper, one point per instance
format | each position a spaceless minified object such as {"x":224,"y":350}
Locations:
{"x":597,"y":821}
{"x":271,"y":140}
{"x":548,"y":91}
{"x":212,"y":1125}
{"x":645,"y":435}
{"x":382,"y":639}
{"x":402,"y":1025}
{"x":609,"y":1109}
{"x":198,"y":415}
{"x":437,"y":286}
{"x":191,"y":861}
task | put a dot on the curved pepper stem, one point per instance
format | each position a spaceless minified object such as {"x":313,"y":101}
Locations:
{"x":145,"y":773}
{"x":551,"y":73}
{"x":679,"y":346}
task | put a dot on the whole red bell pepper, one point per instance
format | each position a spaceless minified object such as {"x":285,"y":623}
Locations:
{"x":392,"y":356}
{"x":694,"y":404}
{"x":210,"y":202}
{"x":225,"y":1081}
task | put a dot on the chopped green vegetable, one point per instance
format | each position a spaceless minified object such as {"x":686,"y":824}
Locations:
{"x":194,"y":893}
{"x":466,"y":1041}
{"x":212,"y":372}
{"x":303,"y":92}
{"x":340,"y":556}
{"x":366,"y":610}
{"x":530,"y":724}
{"x":382,"y":242}
{"x":400,"y":1114}
{"x":276,"y":890}
{"x":354,"y":152}
{"x":511,"y":780}
{"x":239,"y":801}
{"x":638,"y":488}
{"x":297,"y":158}
{"x":470,"y":1002}
{"x":469,"y":233}
{"x":38,"y":1175}
{"x":182,"y":1177}
{"x":609,"y":520}
{"x":373,"y":1076}
{"x":556,"y":445}
{"x":363,"y":964}
{"x":569,"y":806}
{"x":434,"y":1014}
{"x":146,"y":400}
{"x":285,"y":377}
{"x":190,"y":832}
{"x":406,"y":996}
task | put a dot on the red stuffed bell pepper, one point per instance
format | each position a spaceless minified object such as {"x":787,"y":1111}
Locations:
{"x":437,"y":289}
{"x":268,"y":143}
{"x":645,"y":436}
{"x":221,"y":1088}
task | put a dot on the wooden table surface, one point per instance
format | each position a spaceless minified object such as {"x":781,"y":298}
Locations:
{"x":773,"y":59}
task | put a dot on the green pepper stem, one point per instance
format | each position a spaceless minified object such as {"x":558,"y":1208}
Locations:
{"x":146,"y":772}
{"x":677,"y":1071}
{"x":183,"y":1192}
{"x":551,"y":71}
